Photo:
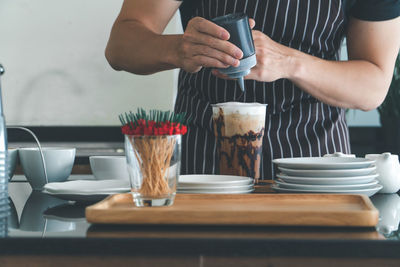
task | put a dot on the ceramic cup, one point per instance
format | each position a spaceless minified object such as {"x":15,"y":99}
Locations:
{"x":109,"y":167}
{"x":12,"y":161}
{"x":59,"y":162}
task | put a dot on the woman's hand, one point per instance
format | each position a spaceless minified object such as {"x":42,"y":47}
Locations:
{"x":272,"y":60}
{"x":205,"y":44}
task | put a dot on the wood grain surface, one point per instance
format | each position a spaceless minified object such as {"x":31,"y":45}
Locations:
{"x":246,"y":209}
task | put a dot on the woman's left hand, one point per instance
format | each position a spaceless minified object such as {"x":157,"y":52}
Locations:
{"x":273,"y":60}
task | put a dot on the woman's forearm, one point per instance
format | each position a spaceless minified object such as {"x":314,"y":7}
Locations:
{"x":356,"y":84}
{"x":134,"y":48}
{"x":360,"y":83}
{"x":363,"y":81}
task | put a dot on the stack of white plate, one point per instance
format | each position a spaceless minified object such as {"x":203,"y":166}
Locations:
{"x":340,"y":175}
{"x":215,"y":184}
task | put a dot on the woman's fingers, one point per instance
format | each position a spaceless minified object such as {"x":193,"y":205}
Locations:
{"x":207,"y":27}
{"x":220,"y":75}
{"x":252,"y":75}
{"x":209,"y":62}
{"x":205,"y":44}
{"x":208,"y":40}
{"x":216,"y":54}
{"x":252,"y":23}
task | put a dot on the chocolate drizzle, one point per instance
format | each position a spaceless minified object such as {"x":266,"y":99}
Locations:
{"x":238,"y":154}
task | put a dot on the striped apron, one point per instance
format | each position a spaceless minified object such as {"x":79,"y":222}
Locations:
{"x":297,"y":124}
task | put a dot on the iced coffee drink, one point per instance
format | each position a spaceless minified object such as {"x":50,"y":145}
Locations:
{"x":239,"y":130}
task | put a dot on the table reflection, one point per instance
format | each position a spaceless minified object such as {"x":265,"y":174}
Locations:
{"x":13,"y":222}
{"x":33,"y":219}
{"x":389,"y":212}
{"x":67,"y":212}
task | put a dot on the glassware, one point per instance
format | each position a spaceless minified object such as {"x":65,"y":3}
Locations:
{"x":239,"y":130}
{"x":154,"y":167}
{"x":4,"y":165}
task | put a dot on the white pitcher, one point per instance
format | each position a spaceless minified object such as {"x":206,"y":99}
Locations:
{"x":388,"y":168}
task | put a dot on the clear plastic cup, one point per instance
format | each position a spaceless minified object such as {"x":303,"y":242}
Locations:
{"x":239,"y":131}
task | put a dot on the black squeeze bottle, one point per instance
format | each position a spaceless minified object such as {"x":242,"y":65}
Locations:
{"x":240,"y":35}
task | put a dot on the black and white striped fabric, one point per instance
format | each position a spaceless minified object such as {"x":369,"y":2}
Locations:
{"x":297,"y":125}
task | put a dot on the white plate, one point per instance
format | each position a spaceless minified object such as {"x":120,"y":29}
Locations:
{"x":229,"y":188}
{"x":326,"y":187}
{"x":215,"y":191}
{"x":80,"y":197}
{"x":328,"y":180}
{"x":328,"y":173}
{"x":369,"y":192}
{"x":209,"y":180}
{"x":323,"y":163}
{"x":88,"y":187}
{"x":216,"y":187}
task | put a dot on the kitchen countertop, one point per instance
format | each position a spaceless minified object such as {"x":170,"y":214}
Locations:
{"x":42,"y":227}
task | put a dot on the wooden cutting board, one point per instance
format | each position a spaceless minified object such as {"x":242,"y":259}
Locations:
{"x":246,"y":209}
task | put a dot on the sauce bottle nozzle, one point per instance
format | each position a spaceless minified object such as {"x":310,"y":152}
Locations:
{"x":241,"y":83}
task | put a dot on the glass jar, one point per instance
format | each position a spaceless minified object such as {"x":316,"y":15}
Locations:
{"x":154,"y":167}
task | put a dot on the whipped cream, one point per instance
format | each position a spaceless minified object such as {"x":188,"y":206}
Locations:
{"x":241,"y":108}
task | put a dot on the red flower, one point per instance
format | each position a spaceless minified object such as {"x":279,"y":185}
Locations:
{"x":150,"y":127}
{"x":184,"y":130}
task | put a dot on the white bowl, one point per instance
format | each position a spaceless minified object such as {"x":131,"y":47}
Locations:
{"x":109,"y":167}
{"x":59,"y":162}
{"x":12,"y":161}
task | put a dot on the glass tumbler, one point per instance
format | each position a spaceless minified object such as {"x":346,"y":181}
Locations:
{"x":154,"y":167}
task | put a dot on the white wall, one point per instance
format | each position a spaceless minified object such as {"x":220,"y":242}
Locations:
{"x":56,"y":72}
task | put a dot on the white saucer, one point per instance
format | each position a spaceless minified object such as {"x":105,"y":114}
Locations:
{"x":86,"y":190}
{"x":323,"y":163}
{"x":369,"y":192}
{"x":88,"y":187}
{"x":328,"y":173}
{"x":283,"y":184}
{"x":328,"y":180}
{"x":208,"y":180}
{"x":81,"y":197}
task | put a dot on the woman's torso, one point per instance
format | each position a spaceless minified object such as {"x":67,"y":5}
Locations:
{"x":315,"y":27}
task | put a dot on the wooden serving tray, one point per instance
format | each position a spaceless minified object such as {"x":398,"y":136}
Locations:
{"x":246,"y":209}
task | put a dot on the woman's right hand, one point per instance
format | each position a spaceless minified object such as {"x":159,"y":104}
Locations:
{"x":205,"y":44}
